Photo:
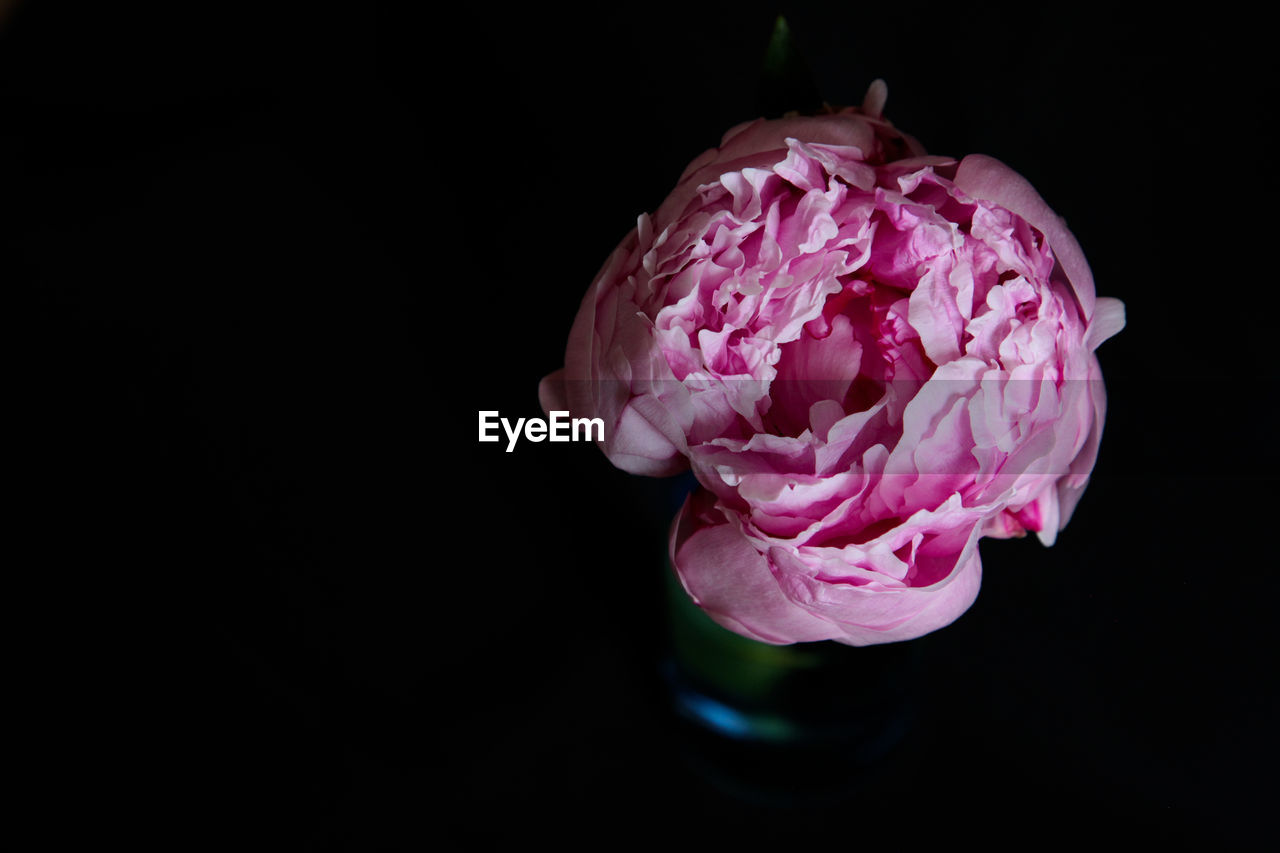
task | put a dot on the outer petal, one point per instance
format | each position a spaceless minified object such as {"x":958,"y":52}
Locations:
{"x":647,"y":440}
{"x":1108,"y":319}
{"x":551,"y":392}
{"x":988,"y":179}
{"x":874,"y":616}
{"x":732,"y":582}
{"x":942,"y":606}
{"x":936,"y":578}
{"x":639,"y":438}
{"x":1071,"y":487}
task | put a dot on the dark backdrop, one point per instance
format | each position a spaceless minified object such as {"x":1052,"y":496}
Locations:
{"x":268,"y":261}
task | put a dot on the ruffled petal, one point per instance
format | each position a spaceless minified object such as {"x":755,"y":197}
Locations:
{"x":988,"y":179}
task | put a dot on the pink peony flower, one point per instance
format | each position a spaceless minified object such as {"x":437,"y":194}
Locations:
{"x":869,"y":357}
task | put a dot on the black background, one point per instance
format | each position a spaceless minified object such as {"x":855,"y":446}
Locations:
{"x":268,"y":261}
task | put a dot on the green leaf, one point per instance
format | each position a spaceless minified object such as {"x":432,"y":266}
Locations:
{"x":786,"y":82}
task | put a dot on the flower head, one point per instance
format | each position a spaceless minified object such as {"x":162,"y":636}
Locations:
{"x":869,"y":357}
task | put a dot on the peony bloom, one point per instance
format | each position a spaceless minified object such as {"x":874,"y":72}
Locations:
{"x":869,"y":357}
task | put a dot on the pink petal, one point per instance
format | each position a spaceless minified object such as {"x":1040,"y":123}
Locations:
{"x":988,"y":179}
{"x":732,"y":582}
{"x":1108,"y":319}
{"x":551,"y":392}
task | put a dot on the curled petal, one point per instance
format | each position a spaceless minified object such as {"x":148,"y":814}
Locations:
{"x":872,"y":613}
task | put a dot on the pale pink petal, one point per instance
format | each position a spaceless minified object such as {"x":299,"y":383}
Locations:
{"x":551,"y":392}
{"x":1108,"y":319}
{"x":877,"y":94}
